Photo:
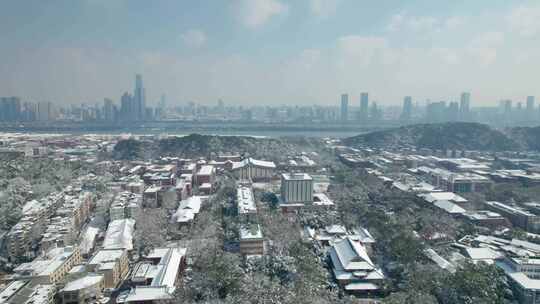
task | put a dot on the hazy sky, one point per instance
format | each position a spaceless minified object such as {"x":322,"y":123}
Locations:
{"x":270,"y":51}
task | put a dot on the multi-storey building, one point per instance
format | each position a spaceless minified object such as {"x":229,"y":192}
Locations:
{"x":125,"y":205}
{"x":251,"y":240}
{"x":156,"y":280}
{"x":206,"y":174}
{"x":253,"y":169}
{"x":519,"y":217}
{"x":353,"y":268}
{"x":27,"y":292}
{"x":52,"y":267}
{"x":245,"y":201}
{"x":10,"y":109}
{"x":296,"y":188}
{"x":524,"y":278}
{"x":84,"y":290}
{"x":455,"y":182}
{"x":65,"y":226}
{"x":28,"y":231}
{"x":113,"y":264}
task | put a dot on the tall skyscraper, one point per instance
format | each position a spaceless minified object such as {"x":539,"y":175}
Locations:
{"x":375,"y":112}
{"x":464,"y":105}
{"x":108,"y":110}
{"x":452,"y":113}
{"x":139,"y":99}
{"x":127,"y":109}
{"x":436,"y":111}
{"x":406,"y":113}
{"x":29,"y":112}
{"x":344,"y":107}
{"x":506,"y":109}
{"x":163,"y":102}
{"x":45,"y":111}
{"x":10,"y":109}
{"x":530,"y":104}
{"x":519,"y":113}
{"x":364,"y":106}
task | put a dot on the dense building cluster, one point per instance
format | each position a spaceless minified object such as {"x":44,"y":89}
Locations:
{"x":135,"y":230}
{"x":91,"y":241}
{"x":134,"y":108}
{"x":459,"y":184}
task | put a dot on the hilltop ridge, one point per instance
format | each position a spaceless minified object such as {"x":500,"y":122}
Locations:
{"x":451,"y":135}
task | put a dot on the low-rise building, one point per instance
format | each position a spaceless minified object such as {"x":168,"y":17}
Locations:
{"x":524,"y":278}
{"x":183,"y":187}
{"x":186,"y":212}
{"x":150,"y":197}
{"x":119,"y":235}
{"x":89,"y":240}
{"x":485,"y":218}
{"x":462,"y":182}
{"x":251,"y":240}
{"x":254,"y":170}
{"x":206,"y":174}
{"x":27,"y":292}
{"x":52,"y":267}
{"x":85,"y":290}
{"x":518,"y":216}
{"x":446,"y":201}
{"x":245,"y":201}
{"x":125,"y":205}
{"x":156,"y":283}
{"x":160,"y":175}
{"x":113,"y":264}
{"x":206,"y":189}
{"x":353,"y":268}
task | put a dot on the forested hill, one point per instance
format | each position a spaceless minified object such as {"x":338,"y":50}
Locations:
{"x":452,"y":135}
{"x":528,"y":137}
{"x":196,"y":145}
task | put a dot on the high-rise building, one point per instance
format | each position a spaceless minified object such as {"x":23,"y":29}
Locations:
{"x":344,"y":107}
{"x":406,"y":113}
{"x":452,"y":113}
{"x":375,"y":112}
{"x":464,"y":105}
{"x":506,"y":109}
{"x":364,"y":106}
{"x":10,"y":109}
{"x":45,"y":111}
{"x":436,"y":111}
{"x":163,"y":102}
{"x":139,"y":98}
{"x":108,"y":110}
{"x":127,"y":109}
{"x":530,"y":108}
{"x":221,"y":106}
{"x":530,"y":103}
{"x":29,"y":112}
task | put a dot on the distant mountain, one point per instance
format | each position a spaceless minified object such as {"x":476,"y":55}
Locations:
{"x":197,"y":145}
{"x":451,"y":135}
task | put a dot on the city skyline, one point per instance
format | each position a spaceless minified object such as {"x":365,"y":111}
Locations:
{"x":251,"y":52}
{"x":139,"y":101}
